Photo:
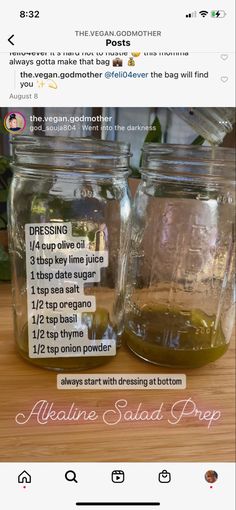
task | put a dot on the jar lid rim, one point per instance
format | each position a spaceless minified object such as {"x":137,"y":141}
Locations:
{"x":188,"y":163}
{"x":184,"y":152}
{"x":60,"y":144}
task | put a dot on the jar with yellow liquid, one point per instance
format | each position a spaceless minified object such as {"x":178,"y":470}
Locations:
{"x":69,"y":219}
{"x":180,"y":289}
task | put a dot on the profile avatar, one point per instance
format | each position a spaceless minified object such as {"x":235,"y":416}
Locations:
{"x":14,"y":122}
{"x":211,"y":476}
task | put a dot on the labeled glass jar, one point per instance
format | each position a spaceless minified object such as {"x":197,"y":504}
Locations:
{"x":180,"y":290}
{"x":69,"y":219}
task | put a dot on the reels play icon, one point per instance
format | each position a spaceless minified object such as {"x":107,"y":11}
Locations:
{"x":118,"y":476}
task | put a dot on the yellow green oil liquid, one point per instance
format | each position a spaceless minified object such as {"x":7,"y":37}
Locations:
{"x":175,"y":338}
{"x":98,"y":324}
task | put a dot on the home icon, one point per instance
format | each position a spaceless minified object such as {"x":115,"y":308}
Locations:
{"x":24,"y":477}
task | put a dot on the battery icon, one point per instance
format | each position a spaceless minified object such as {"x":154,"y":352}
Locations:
{"x":218,"y":14}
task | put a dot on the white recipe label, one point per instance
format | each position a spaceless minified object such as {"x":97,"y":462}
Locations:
{"x":58,"y":266}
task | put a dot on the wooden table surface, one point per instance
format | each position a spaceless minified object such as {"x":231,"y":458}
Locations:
{"x":22,"y":385}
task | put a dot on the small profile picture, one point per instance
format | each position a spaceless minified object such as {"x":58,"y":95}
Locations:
{"x":15,"y":122}
{"x":117,"y":62}
{"x":211,"y":476}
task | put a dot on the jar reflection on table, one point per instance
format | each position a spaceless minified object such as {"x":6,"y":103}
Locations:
{"x":81,"y":183}
{"x":180,"y":290}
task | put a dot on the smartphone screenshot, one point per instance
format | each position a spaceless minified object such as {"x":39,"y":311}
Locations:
{"x":117,"y":255}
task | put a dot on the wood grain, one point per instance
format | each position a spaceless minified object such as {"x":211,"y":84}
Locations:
{"x":211,"y":387}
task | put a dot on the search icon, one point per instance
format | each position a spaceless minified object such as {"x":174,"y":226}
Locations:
{"x":70,"y":476}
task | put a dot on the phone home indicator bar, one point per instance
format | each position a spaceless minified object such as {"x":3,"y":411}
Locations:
{"x":118,"y":504}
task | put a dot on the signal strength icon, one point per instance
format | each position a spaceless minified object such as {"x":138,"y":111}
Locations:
{"x":192,"y":15}
{"x":203,"y":13}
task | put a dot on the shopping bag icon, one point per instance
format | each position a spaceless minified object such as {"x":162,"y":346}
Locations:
{"x":164,"y":476}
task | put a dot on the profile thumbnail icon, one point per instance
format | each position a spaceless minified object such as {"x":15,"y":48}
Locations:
{"x":14,"y":122}
{"x":211,"y":476}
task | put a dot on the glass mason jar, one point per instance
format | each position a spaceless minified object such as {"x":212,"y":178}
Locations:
{"x":213,"y":124}
{"x":69,"y":218}
{"x":179,"y":306}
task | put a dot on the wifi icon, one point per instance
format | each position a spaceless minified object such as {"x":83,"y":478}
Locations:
{"x":203,"y":13}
